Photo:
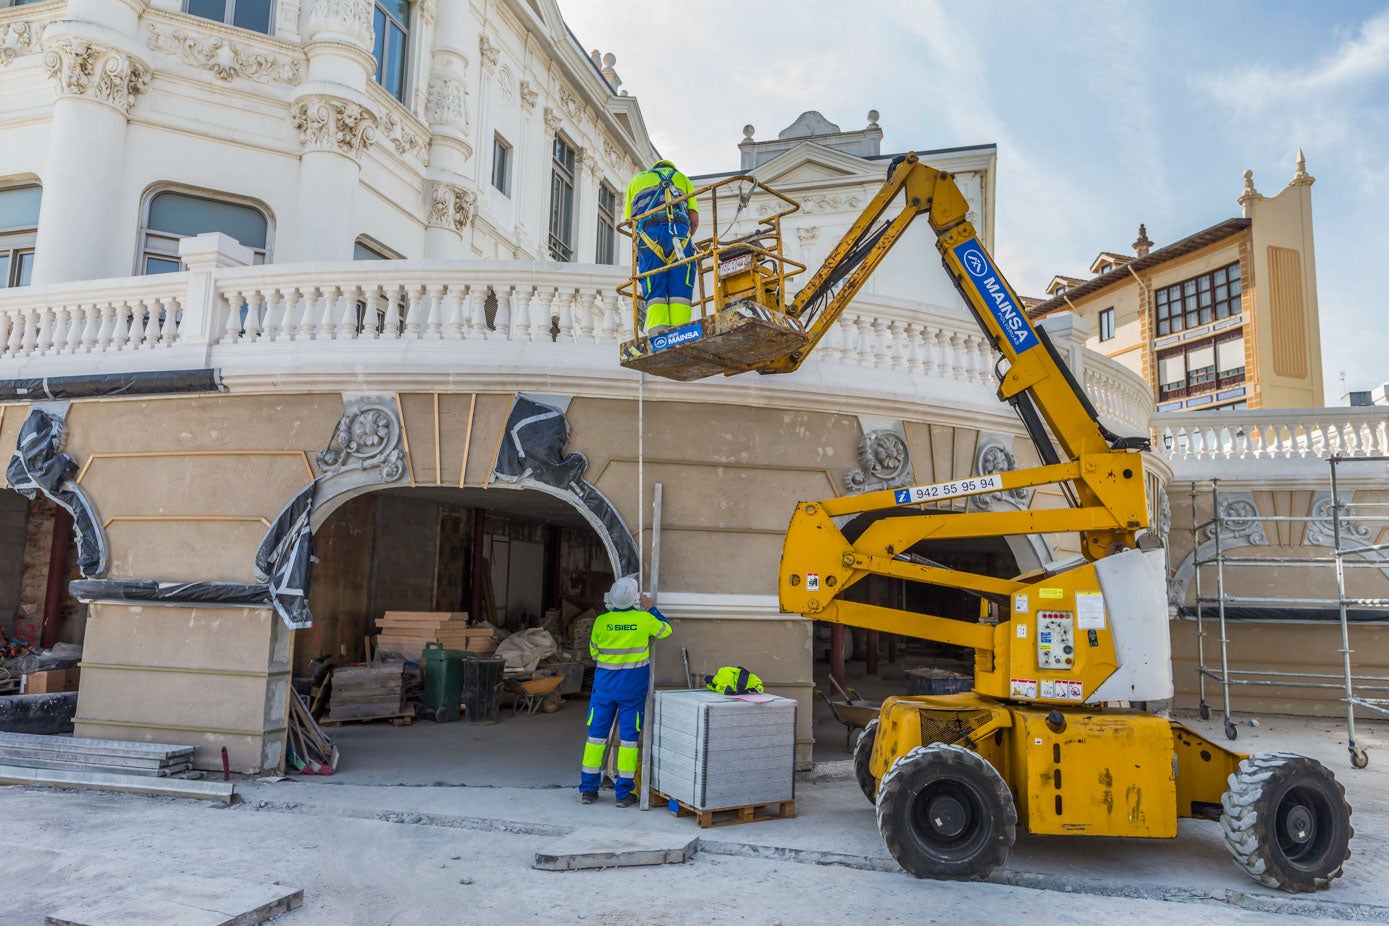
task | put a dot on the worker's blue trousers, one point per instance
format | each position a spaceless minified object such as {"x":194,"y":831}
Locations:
{"x":627,"y":706}
{"x":667,"y":292}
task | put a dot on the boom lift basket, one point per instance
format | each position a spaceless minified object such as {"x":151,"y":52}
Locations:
{"x":738,"y":321}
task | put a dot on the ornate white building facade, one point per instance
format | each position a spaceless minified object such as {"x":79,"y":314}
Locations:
{"x":184,"y":186}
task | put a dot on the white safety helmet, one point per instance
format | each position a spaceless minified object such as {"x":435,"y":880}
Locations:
{"x":624,"y":594}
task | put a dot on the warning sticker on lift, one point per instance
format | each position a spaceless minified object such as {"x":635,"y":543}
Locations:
{"x":812,"y":581}
{"x":943,"y":490}
{"x":1022,"y":688}
{"x":1063,"y":690}
{"x":682,"y":335}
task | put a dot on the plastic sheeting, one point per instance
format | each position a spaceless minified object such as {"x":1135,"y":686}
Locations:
{"x":286,"y":557}
{"x":38,"y":465}
{"x":155,"y":592}
{"x":160,"y":382}
{"x":533,"y":447}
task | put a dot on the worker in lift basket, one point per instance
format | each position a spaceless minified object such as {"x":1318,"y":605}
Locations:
{"x":621,"y":645}
{"x":663,"y":239}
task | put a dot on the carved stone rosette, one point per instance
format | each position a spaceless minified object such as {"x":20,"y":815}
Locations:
{"x":450,"y":206}
{"x":226,"y":60}
{"x":327,"y":123}
{"x":18,"y":39}
{"x":98,"y":72}
{"x":884,"y":463}
{"x":367,"y":439}
{"x":348,"y":19}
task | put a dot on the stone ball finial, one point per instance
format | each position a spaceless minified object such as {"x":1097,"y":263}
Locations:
{"x":872,"y":117}
{"x":609,"y":60}
{"x":748,"y":131}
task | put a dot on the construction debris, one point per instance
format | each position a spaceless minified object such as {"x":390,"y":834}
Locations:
{"x":220,"y":791}
{"x":308,"y":749}
{"x":406,"y":633}
{"x":608,"y":848}
{"x":78,"y":754}
{"x":185,"y":899}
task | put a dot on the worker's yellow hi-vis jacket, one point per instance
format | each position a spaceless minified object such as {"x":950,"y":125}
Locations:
{"x":621,"y":643}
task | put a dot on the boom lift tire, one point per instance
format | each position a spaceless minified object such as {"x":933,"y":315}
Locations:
{"x":946,"y":813}
{"x":863,"y":752}
{"x":1286,"y":822}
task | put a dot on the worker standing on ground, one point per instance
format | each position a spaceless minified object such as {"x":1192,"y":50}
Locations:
{"x":621,"y":645}
{"x":663,"y":239}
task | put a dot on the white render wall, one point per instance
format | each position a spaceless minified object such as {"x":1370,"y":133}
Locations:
{"x":202,"y":113}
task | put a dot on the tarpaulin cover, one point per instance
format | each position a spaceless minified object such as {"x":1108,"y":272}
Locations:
{"x":149,"y":590}
{"x":285,"y":560}
{"x":533,"y":447}
{"x":38,"y":465}
{"x":159,"y":382}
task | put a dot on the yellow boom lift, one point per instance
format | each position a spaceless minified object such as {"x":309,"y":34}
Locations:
{"x":1047,"y":738}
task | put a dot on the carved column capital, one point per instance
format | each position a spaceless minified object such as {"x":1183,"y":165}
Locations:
{"x":490,"y":52}
{"x":327,"y":123}
{"x":529,"y":96}
{"x":446,"y":102}
{"x":552,"y":119}
{"x":348,"y":20}
{"x":81,"y":67}
{"x":450,"y":206}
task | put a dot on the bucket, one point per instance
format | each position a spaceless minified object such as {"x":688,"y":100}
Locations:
{"x":482,"y":689}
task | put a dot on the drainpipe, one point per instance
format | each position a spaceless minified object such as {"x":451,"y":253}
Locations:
{"x":57,"y":575}
{"x":1151,"y":353}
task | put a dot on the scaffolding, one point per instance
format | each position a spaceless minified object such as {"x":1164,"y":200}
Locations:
{"x":1350,"y":525}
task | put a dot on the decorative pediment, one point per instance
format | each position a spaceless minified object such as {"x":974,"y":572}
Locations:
{"x":812,"y":163}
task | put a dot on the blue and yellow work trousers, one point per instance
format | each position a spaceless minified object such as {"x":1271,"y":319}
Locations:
{"x":667,"y":292}
{"x":601,"y":711}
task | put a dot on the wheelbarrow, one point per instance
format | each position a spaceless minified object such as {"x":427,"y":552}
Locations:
{"x":854,"y":712}
{"x":536,"y":693}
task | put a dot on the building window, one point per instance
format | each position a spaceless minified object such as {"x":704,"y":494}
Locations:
{"x":1106,"y":324}
{"x":501,"y":165}
{"x":1198,"y":368}
{"x":170,"y":217}
{"x":256,"y":15}
{"x":1199,"y":301}
{"x":392,"y":27}
{"x":366,"y":249}
{"x":607,"y":225}
{"x":19,"y":227}
{"x":562,"y":201}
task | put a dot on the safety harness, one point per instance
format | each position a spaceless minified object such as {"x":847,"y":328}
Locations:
{"x":666,"y":191}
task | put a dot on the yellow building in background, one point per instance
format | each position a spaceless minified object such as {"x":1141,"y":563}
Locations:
{"x":1224,"y":318}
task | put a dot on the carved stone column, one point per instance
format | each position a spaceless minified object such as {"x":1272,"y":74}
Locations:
{"x":336,"y":123}
{"x":98,"y":76}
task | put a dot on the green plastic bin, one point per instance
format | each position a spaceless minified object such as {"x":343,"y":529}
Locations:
{"x":443,"y":681}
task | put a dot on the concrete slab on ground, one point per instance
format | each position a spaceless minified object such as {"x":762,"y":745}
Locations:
{"x":595,"y":847}
{"x":187,"y":900}
{"x":219,"y":791}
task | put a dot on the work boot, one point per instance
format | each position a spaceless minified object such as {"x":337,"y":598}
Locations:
{"x":588,"y":797}
{"x":628,"y":801}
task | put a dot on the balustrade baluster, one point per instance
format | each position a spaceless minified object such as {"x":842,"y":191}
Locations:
{"x":563,"y":315}
{"x":540,"y":314}
{"x":522,"y":323}
{"x":583,"y":321}
{"x":413,"y":310}
{"x":43,"y":337}
{"x":313,"y":302}
{"x":434,"y":322}
{"x":325,"y":319}
{"x":91,"y":326}
{"x":58,"y":333}
{"x":231,"y":328}
{"x":6,"y":329}
{"x":123,"y":317}
{"x":153,"y":323}
{"x":31,"y":331}
{"x":352,"y":312}
{"x":293,"y":306}
{"x":391,"y":326}
{"x":455,"y":307}
{"x":911,"y":333}
{"x":172,"y":310}
{"x":477,"y":319}
{"x":271,"y":314}
{"x":878,"y":343}
{"x":251,"y":324}
{"x":610,"y":303}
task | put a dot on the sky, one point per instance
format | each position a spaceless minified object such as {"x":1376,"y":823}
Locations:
{"x":1105,"y":114}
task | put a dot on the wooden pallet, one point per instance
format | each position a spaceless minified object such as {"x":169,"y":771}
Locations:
{"x":403,"y":719}
{"x":728,"y":816}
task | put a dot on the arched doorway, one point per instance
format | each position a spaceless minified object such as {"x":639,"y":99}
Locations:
{"x":516,"y":558}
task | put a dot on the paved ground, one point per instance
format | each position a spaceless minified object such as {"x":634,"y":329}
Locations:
{"x":374,"y":854}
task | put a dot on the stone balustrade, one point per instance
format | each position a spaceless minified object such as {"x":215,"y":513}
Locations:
{"x":403,"y":321}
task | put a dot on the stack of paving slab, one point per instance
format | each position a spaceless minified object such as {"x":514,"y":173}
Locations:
{"x":373,"y":690}
{"x":406,"y":633}
{"x":72,"y":753}
{"x":712,"y":751}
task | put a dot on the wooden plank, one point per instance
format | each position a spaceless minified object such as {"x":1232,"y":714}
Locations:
{"x":729,"y":816}
{"x":403,"y":719}
{"x":108,"y":781}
